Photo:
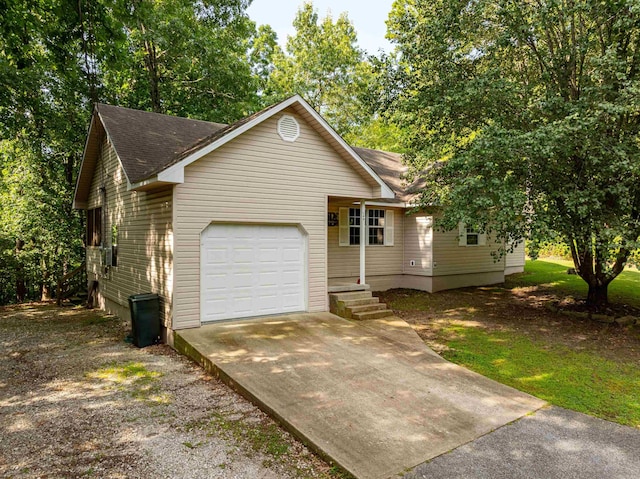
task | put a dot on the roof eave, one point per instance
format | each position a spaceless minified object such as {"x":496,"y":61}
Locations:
{"x":174,"y":174}
{"x":151,"y":183}
{"x":81,"y":203}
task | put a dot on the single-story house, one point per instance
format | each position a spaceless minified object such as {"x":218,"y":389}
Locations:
{"x":260,"y":217}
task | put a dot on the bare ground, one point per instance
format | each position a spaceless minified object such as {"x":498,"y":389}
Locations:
{"x":77,"y":401}
{"x":533,"y":311}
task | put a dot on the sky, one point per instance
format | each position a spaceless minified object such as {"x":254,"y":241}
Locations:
{"x":368,"y":17}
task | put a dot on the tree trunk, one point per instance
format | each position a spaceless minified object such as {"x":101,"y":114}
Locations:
{"x":45,"y":290}
{"x":597,"y":295}
{"x":21,"y":288}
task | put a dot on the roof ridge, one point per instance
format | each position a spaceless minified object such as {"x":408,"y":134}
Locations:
{"x":100,"y":104}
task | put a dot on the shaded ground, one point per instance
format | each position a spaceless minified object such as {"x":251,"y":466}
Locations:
{"x":525,"y":310}
{"x":77,"y":401}
{"x":550,"y":275}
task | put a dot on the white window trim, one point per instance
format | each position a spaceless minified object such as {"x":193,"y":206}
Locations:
{"x":344,"y":239}
{"x":463,"y":234}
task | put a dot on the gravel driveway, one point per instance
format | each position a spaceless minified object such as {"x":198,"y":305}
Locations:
{"x":77,"y":401}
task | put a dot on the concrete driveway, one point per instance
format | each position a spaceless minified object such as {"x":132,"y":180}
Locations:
{"x":369,"y":396}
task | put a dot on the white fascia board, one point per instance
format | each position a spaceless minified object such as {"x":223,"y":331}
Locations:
{"x":84,"y":154}
{"x":382,"y":203}
{"x":176,"y":171}
{"x":140,"y":184}
{"x":385,"y":191}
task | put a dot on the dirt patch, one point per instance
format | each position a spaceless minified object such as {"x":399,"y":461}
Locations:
{"x":77,"y":401}
{"x":531,"y":311}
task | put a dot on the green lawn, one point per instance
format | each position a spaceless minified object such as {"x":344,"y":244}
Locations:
{"x":570,"y":362}
{"x":552,"y":273}
{"x":580,"y":380}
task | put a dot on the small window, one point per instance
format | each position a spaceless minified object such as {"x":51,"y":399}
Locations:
{"x":473,"y":238}
{"x":470,"y":236}
{"x":94,"y":227}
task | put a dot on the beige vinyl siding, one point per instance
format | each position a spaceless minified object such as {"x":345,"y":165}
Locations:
{"x":450,"y":258}
{"x":515,"y":261}
{"x":344,"y":261}
{"x":145,"y":236}
{"x":516,"y":258}
{"x":259,"y":178}
{"x":418,"y":244}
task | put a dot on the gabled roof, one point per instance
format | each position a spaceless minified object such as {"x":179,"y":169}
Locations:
{"x":392,"y":170}
{"x":148,"y":142}
{"x":155,"y":148}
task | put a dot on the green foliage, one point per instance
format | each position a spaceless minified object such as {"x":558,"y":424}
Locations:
{"x":378,"y":134}
{"x":581,"y":381}
{"x":545,"y":249}
{"x":324,"y":64}
{"x":530,"y":111}
{"x":181,"y":57}
{"x":57,"y":57}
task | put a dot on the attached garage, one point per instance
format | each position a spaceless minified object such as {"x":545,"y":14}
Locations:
{"x":252,"y":270}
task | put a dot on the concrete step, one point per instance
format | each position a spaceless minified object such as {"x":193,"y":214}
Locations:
{"x":366,"y":307}
{"x":383,"y":313}
{"x":350,"y":303}
{"x":350,"y":296}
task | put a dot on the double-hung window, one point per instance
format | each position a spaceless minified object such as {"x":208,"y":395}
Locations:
{"x":354,"y":226}
{"x":470,"y":236}
{"x":378,"y":222}
{"x":376,"y":226}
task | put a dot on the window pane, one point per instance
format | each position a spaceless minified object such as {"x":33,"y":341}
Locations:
{"x":354,"y":235}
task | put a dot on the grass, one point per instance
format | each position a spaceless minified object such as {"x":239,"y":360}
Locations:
{"x":263,"y":437}
{"x":552,"y":274}
{"x":266,"y":438}
{"x":579,"y":380}
{"x":574,"y":363}
{"x":139,"y":382}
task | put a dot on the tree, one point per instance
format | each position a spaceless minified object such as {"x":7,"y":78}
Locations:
{"x":58,"y":57}
{"x":531,"y":111}
{"x":323,"y":64}
{"x":181,"y":57}
{"x":43,"y":113}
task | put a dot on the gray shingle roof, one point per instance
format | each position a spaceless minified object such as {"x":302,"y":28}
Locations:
{"x":149,"y":142}
{"x":391,"y":169}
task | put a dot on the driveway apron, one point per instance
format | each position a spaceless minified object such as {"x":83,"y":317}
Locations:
{"x":368,"y":396}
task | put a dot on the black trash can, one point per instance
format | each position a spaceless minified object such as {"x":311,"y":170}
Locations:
{"x":145,"y":319}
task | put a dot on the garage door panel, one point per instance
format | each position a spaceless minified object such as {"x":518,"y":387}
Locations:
{"x":252,"y":271}
{"x":269,"y":254}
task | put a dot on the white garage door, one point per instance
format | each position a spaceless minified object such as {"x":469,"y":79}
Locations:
{"x":251,"y":271}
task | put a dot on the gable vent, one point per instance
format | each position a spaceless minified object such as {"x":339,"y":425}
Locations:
{"x":288,"y":128}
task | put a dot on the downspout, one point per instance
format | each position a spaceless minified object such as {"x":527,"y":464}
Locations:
{"x":363,"y":240}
